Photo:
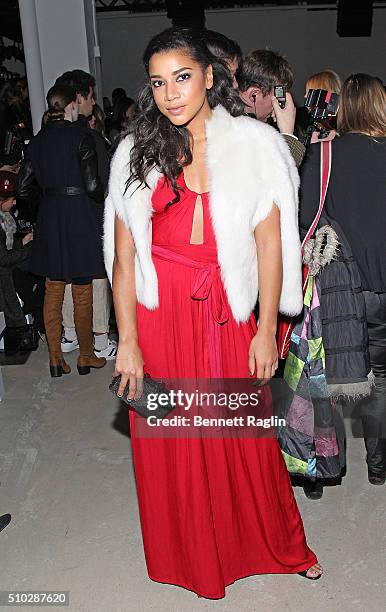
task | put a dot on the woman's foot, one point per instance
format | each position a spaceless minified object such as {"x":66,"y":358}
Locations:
{"x":313,"y":489}
{"x":58,"y":367}
{"x":313,"y":573}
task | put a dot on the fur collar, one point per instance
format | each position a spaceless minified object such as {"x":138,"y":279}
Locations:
{"x":249,"y":168}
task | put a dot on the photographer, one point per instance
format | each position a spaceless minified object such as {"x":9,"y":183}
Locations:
{"x":327,"y":81}
{"x":260,"y":73}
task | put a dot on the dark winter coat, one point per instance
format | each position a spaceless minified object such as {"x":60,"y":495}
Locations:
{"x":67,"y":240}
{"x":343,"y":314}
{"x":102,"y":148}
{"x":9,"y":259}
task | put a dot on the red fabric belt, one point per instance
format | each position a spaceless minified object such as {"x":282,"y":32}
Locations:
{"x":207,"y":285}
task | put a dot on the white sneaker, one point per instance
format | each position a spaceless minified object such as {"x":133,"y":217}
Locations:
{"x":110,"y":352}
{"x":69,"y":345}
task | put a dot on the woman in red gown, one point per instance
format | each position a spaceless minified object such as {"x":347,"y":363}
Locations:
{"x":212,"y":509}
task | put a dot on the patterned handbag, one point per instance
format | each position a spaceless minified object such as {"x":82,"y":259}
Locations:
{"x":309,"y":440}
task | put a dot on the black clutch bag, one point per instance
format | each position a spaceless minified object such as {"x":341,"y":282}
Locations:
{"x":142,"y":405}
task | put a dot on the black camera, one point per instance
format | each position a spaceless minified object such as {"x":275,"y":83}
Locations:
{"x":322,"y":103}
{"x":322,"y":106}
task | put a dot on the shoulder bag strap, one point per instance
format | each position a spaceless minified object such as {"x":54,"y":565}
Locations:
{"x":325,"y":173}
{"x":286,"y":325}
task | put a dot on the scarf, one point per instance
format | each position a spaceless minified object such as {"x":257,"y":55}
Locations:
{"x":8,"y":225}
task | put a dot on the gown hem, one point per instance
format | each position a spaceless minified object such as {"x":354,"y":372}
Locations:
{"x":248,"y":573}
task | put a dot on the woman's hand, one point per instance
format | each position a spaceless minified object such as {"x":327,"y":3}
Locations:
{"x":263,"y":356}
{"x":27,"y":238}
{"x":7,"y":168}
{"x":284,"y":117}
{"x":129,"y":364}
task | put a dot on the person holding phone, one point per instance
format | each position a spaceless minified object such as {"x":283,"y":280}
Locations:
{"x":262,"y":73}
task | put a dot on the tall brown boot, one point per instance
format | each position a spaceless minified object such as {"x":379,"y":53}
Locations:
{"x":52,"y":313}
{"x":82,"y":297}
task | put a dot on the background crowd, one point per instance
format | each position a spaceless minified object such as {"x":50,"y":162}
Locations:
{"x":53,"y":285}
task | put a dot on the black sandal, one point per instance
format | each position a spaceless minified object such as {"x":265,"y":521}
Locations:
{"x":304,"y":574}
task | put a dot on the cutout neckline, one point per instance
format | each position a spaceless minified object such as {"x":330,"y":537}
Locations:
{"x":197,"y":193}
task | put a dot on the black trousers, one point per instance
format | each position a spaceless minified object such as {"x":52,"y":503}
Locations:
{"x":31,"y":291}
{"x":373,"y":409}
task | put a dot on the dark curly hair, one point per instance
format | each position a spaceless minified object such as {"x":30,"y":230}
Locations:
{"x":79,"y":80}
{"x":158,"y":142}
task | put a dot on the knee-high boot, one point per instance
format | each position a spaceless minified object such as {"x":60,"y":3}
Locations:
{"x":52,"y":313}
{"x":82,"y":296}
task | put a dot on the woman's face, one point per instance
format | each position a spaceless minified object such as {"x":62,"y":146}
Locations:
{"x":130,"y":113}
{"x":92,"y":122}
{"x":179,"y":85}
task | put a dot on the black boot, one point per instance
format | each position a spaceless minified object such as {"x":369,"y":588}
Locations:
{"x":313,"y":489}
{"x":5,"y":519}
{"x":376,"y":478}
{"x":376,"y":459}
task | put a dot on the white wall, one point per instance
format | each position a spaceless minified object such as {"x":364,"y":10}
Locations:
{"x":62,"y":37}
{"x":307,"y":38}
{"x":122,"y":40}
{"x":58,"y":35}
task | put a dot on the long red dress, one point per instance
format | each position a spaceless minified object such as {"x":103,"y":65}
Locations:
{"x":212,"y":509}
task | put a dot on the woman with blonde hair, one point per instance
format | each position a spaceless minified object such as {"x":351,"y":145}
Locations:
{"x":327,"y":79}
{"x":355,"y":201}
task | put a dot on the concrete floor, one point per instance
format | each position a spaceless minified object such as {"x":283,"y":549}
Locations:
{"x":67,"y":479}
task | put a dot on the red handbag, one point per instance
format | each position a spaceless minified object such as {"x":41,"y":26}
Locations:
{"x":285,"y":324}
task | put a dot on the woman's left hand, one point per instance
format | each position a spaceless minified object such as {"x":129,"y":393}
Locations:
{"x":263,"y":356}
